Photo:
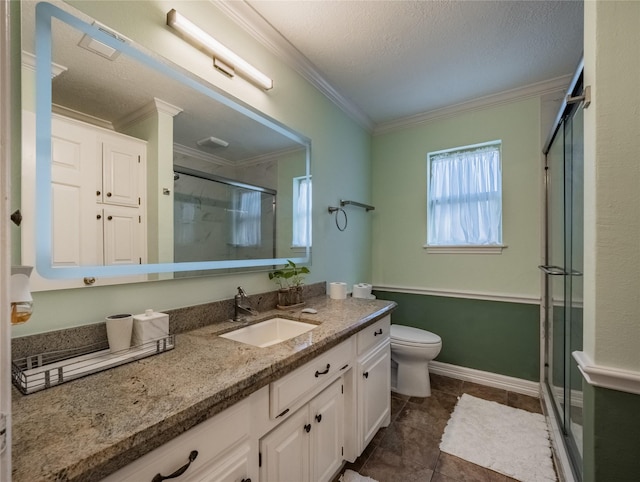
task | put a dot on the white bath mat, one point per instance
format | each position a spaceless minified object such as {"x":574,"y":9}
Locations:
{"x":507,"y":440}
{"x":351,"y":476}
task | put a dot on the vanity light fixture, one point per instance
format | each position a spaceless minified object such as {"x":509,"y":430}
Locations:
{"x":212,"y":142}
{"x":221,"y":54}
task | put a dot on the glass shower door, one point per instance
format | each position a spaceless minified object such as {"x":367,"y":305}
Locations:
{"x":564,"y":285}
{"x":574,"y":248}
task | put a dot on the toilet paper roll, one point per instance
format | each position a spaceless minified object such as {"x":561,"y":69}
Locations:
{"x":362,"y":290}
{"x":337,"y":290}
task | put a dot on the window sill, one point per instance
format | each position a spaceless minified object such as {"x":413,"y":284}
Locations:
{"x":480,"y":249}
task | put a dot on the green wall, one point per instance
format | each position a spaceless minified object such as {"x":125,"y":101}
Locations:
{"x":611,"y":435}
{"x":492,"y":336}
{"x":399,"y":194}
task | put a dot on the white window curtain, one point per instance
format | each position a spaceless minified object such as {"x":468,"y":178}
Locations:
{"x":301,"y":211}
{"x":465,"y":197}
{"x":246,"y":215}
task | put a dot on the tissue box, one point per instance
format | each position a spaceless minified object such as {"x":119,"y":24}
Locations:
{"x":149,"y":326}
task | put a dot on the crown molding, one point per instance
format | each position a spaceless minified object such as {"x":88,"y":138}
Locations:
{"x":253,"y":23}
{"x":29,"y":62}
{"x":202,"y":156}
{"x":521,"y":93}
{"x":151,"y":109}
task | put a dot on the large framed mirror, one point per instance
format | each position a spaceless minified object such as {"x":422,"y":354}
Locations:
{"x":132,"y":166}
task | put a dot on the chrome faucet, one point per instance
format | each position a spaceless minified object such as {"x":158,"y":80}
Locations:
{"x":239,"y":307}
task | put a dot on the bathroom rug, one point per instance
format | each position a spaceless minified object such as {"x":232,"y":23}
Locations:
{"x":507,"y":440}
{"x":351,"y":476}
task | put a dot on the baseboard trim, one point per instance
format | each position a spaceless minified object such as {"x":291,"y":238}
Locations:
{"x":607,"y":377}
{"x":473,"y":295}
{"x":495,"y":380}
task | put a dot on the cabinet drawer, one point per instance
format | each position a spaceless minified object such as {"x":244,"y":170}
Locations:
{"x":216,"y":439}
{"x":373,"y":335}
{"x":297,"y":387}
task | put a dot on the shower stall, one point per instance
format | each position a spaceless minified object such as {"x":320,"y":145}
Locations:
{"x":218,"y":219}
{"x":562,"y":268}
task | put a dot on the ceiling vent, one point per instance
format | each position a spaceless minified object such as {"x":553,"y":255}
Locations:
{"x":99,"y":48}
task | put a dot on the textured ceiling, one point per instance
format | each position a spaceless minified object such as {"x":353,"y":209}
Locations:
{"x":395,"y":59}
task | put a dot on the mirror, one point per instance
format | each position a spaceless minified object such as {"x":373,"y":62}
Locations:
{"x":140,"y":167}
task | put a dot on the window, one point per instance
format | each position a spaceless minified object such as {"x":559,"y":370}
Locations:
{"x":301,"y":211}
{"x":246,"y":209}
{"x":464,"y":197}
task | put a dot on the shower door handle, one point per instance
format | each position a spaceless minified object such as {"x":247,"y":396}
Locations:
{"x":553,"y":270}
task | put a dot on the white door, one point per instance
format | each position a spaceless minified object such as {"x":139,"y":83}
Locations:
{"x":374,"y":394}
{"x":285,"y":451}
{"x":6,"y":135}
{"x":327,"y":432}
{"x":121,"y":164}
{"x":73,"y":160}
{"x":122,"y":235}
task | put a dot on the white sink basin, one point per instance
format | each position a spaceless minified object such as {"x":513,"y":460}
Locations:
{"x":269,"y":332}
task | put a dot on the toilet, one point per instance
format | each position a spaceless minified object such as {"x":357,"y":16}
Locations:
{"x":411,"y":351}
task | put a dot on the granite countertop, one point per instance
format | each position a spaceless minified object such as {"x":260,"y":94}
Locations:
{"x":85,"y":429}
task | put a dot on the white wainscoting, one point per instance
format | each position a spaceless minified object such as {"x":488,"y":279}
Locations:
{"x":512,"y":384}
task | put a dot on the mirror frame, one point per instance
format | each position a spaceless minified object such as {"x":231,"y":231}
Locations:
{"x":45,"y":13}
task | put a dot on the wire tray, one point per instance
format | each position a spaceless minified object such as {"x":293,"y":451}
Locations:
{"x":46,"y":370}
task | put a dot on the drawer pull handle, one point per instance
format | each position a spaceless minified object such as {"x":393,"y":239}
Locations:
{"x":319,"y":418}
{"x":179,"y":472}
{"x":346,"y":366}
{"x":365,"y":374}
{"x":307,"y":428}
{"x":245,"y":480}
{"x":283,"y":413}
{"x":324,"y":372}
{"x":379,"y":332}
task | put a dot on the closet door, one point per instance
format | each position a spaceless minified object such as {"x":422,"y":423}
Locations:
{"x":121,"y":235}
{"x":73,"y":167}
{"x":121,"y":165}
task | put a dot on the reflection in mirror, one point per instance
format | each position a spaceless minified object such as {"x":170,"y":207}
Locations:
{"x":142,"y":168}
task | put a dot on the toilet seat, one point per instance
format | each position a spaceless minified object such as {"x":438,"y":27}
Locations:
{"x":409,"y":336}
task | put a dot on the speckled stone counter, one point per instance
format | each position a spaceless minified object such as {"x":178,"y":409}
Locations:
{"x":88,"y":428}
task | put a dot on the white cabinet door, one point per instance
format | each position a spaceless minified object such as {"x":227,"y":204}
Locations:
{"x":122,"y":233}
{"x":285,"y":451}
{"x":374,"y":392}
{"x":121,"y":166}
{"x":327,"y":433}
{"x":73,"y":165}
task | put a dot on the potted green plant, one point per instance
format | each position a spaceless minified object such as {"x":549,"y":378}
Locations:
{"x":290,"y":281}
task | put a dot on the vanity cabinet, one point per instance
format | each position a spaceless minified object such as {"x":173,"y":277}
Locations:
{"x":224,"y":446}
{"x":309,"y":445}
{"x":299,"y":428}
{"x":374,"y":380}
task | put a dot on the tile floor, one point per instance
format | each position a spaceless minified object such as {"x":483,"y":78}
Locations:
{"x":408,"y":449}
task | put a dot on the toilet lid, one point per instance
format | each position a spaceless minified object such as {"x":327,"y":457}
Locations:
{"x":413,"y":335}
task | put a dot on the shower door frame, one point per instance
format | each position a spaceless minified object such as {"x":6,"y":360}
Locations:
{"x":559,"y":418}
